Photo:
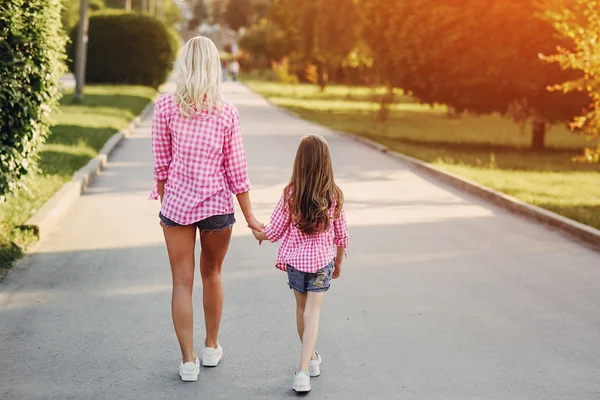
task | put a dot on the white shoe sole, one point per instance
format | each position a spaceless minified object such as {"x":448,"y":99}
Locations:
{"x":314,"y":372}
{"x":189,"y":377}
{"x":301,"y":388}
{"x":212,"y":362}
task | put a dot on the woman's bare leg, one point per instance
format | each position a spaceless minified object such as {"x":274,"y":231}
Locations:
{"x":214,"y":249}
{"x":180,"y":245}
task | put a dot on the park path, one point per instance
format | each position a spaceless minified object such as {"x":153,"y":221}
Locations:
{"x":443,"y":295}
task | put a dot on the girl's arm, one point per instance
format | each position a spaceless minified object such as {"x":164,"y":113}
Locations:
{"x":340,"y":228}
{"x":280,"y":221}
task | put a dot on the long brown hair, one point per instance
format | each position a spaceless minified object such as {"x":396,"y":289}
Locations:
{"x":312,"y":190}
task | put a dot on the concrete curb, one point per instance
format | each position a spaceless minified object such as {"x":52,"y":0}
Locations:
{"x":580,"y":231}
{"x":516,"y":206}
{"x":44,"y":219}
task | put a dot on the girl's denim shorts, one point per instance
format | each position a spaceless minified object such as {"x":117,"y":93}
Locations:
{"x":214,"y":223}
{"x":303,"y":282}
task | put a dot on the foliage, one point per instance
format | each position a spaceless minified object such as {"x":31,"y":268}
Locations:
{"x":31,"y":64}
{"x":70,"y":11}
{"x":238,"y":14}
{"x":265,"y":40}
{"x":581,"y":24}
{"x":217,"y":11}
{"x":199,"y":12}
{"x":171,"y":13}
{"x":282,"y":71}
{"x":127,"y":48}
{"x":485,"y":60}
{"x":319,"y":33}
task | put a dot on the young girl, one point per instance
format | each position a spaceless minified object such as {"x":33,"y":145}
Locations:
{"x":310,"y":219}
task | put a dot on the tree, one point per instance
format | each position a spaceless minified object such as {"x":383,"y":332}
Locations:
{"x":217,"y":11}
{"x":31,"y":63}
{"x":581,"y":24}
{"x":472,"y":55}
{"x":319,"y":33}
{"x":199,"y":12}
{"x":238,"y":14}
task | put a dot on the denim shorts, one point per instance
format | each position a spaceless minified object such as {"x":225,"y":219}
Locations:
{"x":310,"y":282}
{"x":214,"y":223}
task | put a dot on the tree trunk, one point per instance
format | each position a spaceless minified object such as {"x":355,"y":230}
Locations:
{"x":538,"y":134}
{"x":386,"y":99}
{"x":322,"y":76}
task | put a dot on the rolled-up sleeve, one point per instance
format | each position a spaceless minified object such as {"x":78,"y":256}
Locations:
{"x":161,"y":145}
{"x":236,"y":171}
{"x":340,"y":228}
{"x":280,"y":221}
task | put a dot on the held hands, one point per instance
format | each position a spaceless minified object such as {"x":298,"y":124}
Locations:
{"x":260,"y":236}
{"x":254,"y":224}
{"x":257,"y":228}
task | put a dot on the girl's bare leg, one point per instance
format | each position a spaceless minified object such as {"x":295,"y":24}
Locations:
{"x":312,"y":313}
{"x":300,"y":305}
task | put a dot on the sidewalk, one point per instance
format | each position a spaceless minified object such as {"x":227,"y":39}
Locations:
{"x":443,"y":296}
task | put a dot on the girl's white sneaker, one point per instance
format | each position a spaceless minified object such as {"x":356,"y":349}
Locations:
{"x":314,"y":368}
{"x":210,"y":356}
{"x":301,"y":382}
{"x":189,"y":371}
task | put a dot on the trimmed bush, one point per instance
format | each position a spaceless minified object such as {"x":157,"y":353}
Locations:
{"x":128,"y":48}
{"x":31,"y":64}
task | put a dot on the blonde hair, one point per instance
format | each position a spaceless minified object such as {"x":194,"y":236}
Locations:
{"x":312,"y":191}
{"x":198,"y":77}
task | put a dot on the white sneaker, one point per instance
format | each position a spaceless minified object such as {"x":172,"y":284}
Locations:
{"x":314,"y":366}
{"x":189,"y":371}
{"x":210,"y":356}
{"x":301,"y":382}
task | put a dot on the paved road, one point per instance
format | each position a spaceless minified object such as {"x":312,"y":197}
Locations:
{"x":443,"y":295}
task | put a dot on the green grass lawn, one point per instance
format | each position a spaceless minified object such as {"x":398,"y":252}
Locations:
{"x":491,"y":149}
{"x":80,"y":132}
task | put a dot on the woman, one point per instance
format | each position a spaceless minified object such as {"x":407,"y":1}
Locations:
{"x":199,"y":161}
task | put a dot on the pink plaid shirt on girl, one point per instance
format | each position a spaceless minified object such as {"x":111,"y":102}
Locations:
{"x":202,"y":160}
{"x":303,"y":252}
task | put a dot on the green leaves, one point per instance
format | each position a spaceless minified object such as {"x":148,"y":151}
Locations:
{"x":127,"y":48}
{"x":31,"y":64}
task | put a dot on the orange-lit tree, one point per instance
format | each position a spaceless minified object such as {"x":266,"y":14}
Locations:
{"x":473,"y":55}
{"x":318,"y":32}
{"x":581,"y":24}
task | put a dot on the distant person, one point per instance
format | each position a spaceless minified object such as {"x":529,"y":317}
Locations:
{"x":310,"y":221}
{"x":199,"y":162}
{"x":224,"y":70}
{"x":235,"y":70}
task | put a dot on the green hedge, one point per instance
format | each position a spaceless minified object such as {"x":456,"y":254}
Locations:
{"x":129,"y":48}
{"x":31,"y":64}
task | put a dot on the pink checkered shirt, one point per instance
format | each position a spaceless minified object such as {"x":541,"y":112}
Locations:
{"x":303,"y":252}
{"x":202,"y":160}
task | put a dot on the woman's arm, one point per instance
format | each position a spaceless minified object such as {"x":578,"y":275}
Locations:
{"x":236,"y":171}
{"x":161,"y":150}
{"x":160,"y":186}
{"x":246,"y":206}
